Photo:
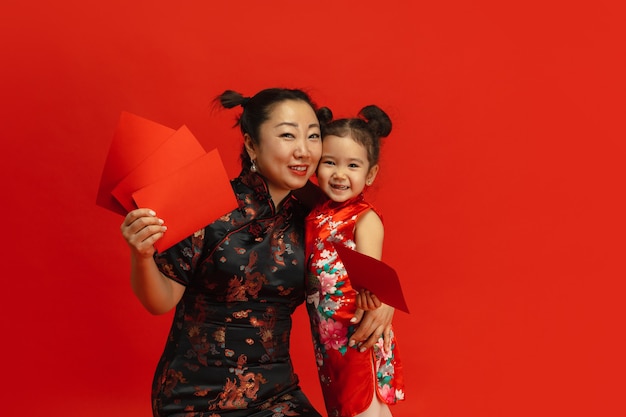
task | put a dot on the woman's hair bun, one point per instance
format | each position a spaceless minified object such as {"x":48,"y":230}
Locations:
{"x":230,"y":99}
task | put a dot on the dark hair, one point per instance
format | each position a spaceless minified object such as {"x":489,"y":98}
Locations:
{"x":257,"y":109}
{"x":372,"y":125}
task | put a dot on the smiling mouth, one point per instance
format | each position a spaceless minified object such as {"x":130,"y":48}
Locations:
{"x":339,"y":187}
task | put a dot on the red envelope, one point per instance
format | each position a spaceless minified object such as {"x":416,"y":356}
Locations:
{"x":376,"y":276}
{"x":190,"y":198}
{"x":179,"y":150}
{"x":134,"y":140}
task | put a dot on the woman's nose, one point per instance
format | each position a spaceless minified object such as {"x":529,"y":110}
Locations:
{"x":302,"y":149}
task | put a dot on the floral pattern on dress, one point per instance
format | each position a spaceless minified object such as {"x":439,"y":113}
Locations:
{"x":348,"y":377}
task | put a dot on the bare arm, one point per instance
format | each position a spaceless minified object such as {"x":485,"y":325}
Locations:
{"x":157,"y":293}
{"x":369,"y":235}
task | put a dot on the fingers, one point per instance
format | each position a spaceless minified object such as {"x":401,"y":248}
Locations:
{"x":366,"y":300}
{"x":361,"y":301}
{"x":373,"y":324}
{"x":375,"y":300}
{"x":358,"y":315}
{"x":134,"y":215}
{"x":387,"y":336}
{"x":141,"y":229}
{"x":366,"y":328}
{"x":372,"y":340}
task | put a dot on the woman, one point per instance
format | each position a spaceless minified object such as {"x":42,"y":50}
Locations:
{"x":236,"y":282}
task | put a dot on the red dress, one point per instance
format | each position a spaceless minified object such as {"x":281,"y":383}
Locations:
{"x":348,"y":377}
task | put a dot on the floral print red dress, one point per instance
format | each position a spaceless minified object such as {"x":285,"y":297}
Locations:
{"x":227,"y":353}
{"x":348,"y":377}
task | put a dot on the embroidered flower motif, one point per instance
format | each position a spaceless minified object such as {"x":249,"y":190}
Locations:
{"x":328,"y":307}
{"x":327,"y":283}
{"x":333,"y":334}
{"x":399,"y":395}
{"x":313,"y":299}
{"x":387,"y":392}
{"x":385,"y":374}
{"x":325,"y":256}
{"x":379,"y":349}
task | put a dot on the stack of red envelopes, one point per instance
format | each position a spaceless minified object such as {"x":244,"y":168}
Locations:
{"x":153,"y":166}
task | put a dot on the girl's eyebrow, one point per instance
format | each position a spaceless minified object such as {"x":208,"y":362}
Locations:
{"x":332,"y":156}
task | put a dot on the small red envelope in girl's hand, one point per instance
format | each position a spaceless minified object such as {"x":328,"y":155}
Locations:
{"x":371,"y":274}
{"x":189,"y":198}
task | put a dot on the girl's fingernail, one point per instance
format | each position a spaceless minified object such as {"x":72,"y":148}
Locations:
{"x":152,"y":213}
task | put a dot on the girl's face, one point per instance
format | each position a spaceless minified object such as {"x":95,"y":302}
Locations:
{"x":344,"y":171}
{"x":289,"y":147}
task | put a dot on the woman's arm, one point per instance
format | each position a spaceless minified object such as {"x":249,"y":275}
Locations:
{"x":157,"y":293}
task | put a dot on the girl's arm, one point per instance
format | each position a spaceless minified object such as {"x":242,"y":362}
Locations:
{"x":157,"y":293}
{"x":369,"y":235}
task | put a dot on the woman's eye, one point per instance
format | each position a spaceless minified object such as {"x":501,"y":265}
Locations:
{"x":314,"y":136}
{"x":287,"y":135}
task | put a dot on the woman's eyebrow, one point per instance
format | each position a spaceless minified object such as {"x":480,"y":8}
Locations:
{"x":294,"y":124}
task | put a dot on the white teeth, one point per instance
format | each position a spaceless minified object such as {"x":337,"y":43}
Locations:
{"x":299,"y":168}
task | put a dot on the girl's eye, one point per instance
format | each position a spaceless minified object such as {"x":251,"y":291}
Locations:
{"x":353,"y":165}
{"x":328,"y":162}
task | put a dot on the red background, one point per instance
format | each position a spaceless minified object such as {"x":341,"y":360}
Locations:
{"x":502,"y":187}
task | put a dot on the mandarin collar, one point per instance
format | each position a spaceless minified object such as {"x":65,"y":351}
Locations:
{"x":333,"y":205}
{"x":261,"y":191}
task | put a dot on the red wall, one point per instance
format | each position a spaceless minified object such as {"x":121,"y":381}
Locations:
{"x":502,"y":187}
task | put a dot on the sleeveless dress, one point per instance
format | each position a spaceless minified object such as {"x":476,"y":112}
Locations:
{"x":348,"y":377}
{"x":227,"y":353}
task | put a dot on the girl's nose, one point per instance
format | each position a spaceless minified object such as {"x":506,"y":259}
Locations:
{"x":338,"y":173}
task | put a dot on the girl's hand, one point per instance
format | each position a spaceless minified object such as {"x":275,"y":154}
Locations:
{"x":141,"y":228}
{"x":367,"y":301}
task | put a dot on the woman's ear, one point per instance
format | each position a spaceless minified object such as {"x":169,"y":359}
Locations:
{"x":371,"y":175}
{"x":249,"y":144}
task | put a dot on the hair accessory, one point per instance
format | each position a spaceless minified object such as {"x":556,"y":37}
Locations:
{"x":253,"y":167}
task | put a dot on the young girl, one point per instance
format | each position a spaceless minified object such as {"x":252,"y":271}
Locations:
{"x":355,"y":381}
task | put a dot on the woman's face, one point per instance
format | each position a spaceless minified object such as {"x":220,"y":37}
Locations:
{"x":289,"y":147}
